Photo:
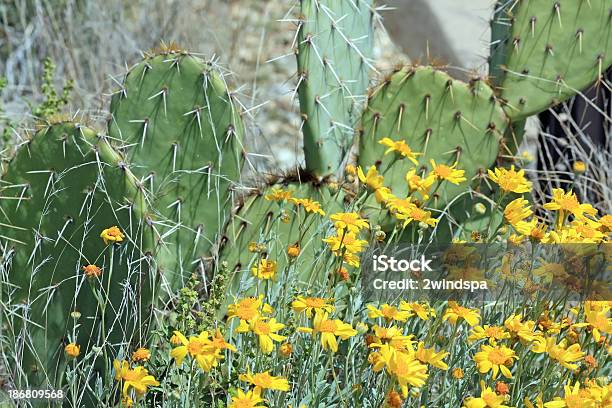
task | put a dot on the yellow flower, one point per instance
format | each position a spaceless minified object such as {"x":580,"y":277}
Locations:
{"x":457,"y":373}
{"x":250,"y":399}
{"x":510,"y":180}
{"x":248,"y":308}
{"x":309,"y":305}
{"x":488,"y":399}
{"x":597,"y":319}
{"x":372,"y":179}
{"x":408,"y":371}
{"x":137,"y":378}
{"x":394,"y":400}
{"x":92,"y":271}
{"x":206,"y":351}
{"x":329,"y":330}
{"x":345,"y":241}
{"x":112,"y":234}
{"x":567,"y":203}
{"x":388,"y":312}
{"x":573,"y":398}
{"x":417,"y":214}
{"x":454,"y":312}
{"x":278,"y":194}
{"x":349,"y":221}
{"x":350,"y":170}
{"x":265,"y":329}
{"x":422,"y":310}
{"x":560,"y":352}
{"x":448,"y":173}
{"x":420,"y":184}
{"x":72,"y":350}
{"x":309,"y":205}
{"x":293,"y":251}
{"x":264,"y":381}
{"x":393,"y":337}
{"x":496,"y":358}
{"x":431,"y":357}
{"x":523,"y":330}
{"x":382,"y":194}
{"x":265,"y":270}
{"x":579,"y":166}
{"x":492,"y":333}
{"x":606,"y":222}
{"x":517,"y":210}
{"x":141,"y":354}
{"x":400,"y":147}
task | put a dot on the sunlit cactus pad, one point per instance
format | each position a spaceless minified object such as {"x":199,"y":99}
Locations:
{"x":553,"y":50}
{"x":443,"y":119}
{"x":182,"y":133}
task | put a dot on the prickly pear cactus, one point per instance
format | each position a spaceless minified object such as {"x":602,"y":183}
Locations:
{"x":333,"y":55}
{"x":60,"y":191}
{"x":268,"y":224}
{"x":445,"y":120}
{"x":545,"y":51}
{"x":182,"y":134}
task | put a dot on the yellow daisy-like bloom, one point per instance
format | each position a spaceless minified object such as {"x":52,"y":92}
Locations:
{"x":309,"y":205}
{"x":266,"y":331}
{"x":141,"y":354}
{"x":388,"y":312}
{"x":137,"y":378}
{"x":310,"y":305}
{"x":329,"y":330}
{"x":92,"y":271}
{"x":293,"y":251}
{"x":408,"y":371}
{"x":455,"y":312}
{"x":422,"y":310}
{"x":496,"y":358}
{"x":525,"y":331}
{"x":597,"y":319}
{"x":72,"y":350}
{"x":206,"y":351}
{"x":278,"y":194}
{"x":372,"y":179}
{"x":419,"y":184}
{"x":401,"y":148}
{"x":488,"y":399}
{"x":579,"y":166}
{"x":248,"y":308}
{"x":560,"y":352}
{"x":567,"y":203}
{"x":517,"y":210}
{"x":492,"y":333}
{"x":382,"y":194}
{"x":265,"y":381}
{"x":448,"y":173}
{"x":249,"y":399}
{"x":417,"y":214}
{"x":349,"y":221}
{"x":399,"y":205}
{"x":392,"y":336}
{"x":112,"y":234}
{"x":266,"y":269}
{"x":606,"y":222}
{"x":573,"y":397}
{"x":285,"y":349}
{"x":431,"y":357}
{"x":345,"y":241}
{"x":510,"y":180}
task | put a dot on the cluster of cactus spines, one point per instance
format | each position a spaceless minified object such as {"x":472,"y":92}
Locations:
{"x":443,"y":119}
{"x":553,"y":50}
{"x":182,"y":134}
{"x":333,"y":54}
{"x":59,"y":192}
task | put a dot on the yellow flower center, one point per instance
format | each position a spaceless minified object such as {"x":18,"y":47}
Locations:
{"x":263,"y":380}
{"x":131,"y":375}
{"x":389,"y":312}
{"x":568,"y":202}
{"x":574,"y":401}
{"x":315,"y":302}
{"x":195,"y":347}
{"x":443,"y":171}
{"x":494,"y":332}
{"x":262,"y":328}
{"x":328,"y":326}
{"x":497,"y":357}
{"x":246,"y":313}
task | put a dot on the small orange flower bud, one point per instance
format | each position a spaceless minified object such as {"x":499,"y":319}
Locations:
{"x":394,"y":400}
{"x":141,"y":354}
{"x":457,"y":373}
{"x":502,"y":388}
{"x":286,"y":349}
{"x":92,"y":271}
{"x":343,"y":273}
{"x":293,"y":251}
{"x":72,"y":350}
{"x":175,"y":340}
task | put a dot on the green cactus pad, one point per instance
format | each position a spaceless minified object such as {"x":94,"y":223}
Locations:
{"x":277,"y":225}
{"x":334,"y":49}
{"x":444,"y":119}
{"x":59,"y":193}
{"x":182,"y":133}
{"x":554,"y":50}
